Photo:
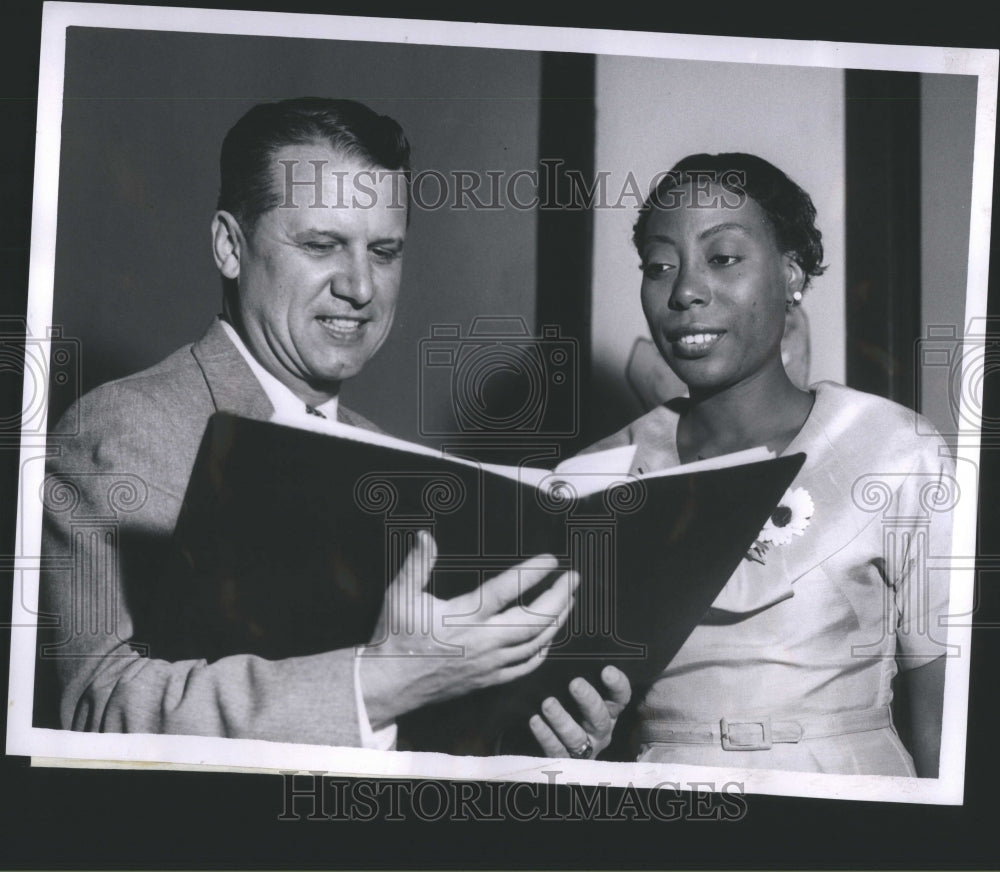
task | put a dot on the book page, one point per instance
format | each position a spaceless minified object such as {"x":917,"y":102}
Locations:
{"x":723,"y":461}
{"x":613,"y":461}
{"x":612,"y":464}
{"x":591,"y":473}
{"x":585,"y":474}
{"x":355,"y":434}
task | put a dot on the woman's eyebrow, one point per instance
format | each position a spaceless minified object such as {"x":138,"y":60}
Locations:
{"x":711,"y":231}
{"x":719,"y":228}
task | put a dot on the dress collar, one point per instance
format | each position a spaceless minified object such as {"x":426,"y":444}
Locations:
{"x":840,"y":439}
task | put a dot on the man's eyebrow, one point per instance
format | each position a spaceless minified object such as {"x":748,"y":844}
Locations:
{"x":309,"y":233}
{"x":312,"y":232}
{"x":388,"y":240}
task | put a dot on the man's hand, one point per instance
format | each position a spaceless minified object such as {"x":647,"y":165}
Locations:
{"x":427,"y":650}
{"x":560,"y":735}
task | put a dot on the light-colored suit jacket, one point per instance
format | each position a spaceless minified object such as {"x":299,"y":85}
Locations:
{"x":121,"y":480}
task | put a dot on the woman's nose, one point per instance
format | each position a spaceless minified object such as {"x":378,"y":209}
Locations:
{"x":690,"y":289}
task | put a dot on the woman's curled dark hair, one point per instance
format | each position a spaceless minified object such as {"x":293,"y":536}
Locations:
{"x":789,"y":208}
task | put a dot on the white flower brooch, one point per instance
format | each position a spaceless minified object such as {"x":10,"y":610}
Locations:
{"x":789,"y":519}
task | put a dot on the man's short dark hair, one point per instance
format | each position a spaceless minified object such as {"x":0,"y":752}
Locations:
{"x":247,"y":164}
{"x":787,"y":206}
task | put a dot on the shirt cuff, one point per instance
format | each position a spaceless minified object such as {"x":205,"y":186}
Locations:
{"x":379,"y":740}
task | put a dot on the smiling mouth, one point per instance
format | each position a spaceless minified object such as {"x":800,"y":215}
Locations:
{"x":695,"y":344}
{"x":342,"y":328}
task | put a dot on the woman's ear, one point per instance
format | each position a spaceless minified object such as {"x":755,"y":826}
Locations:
{"x":795,"y":342}
{"x":227,"y":244}
{"x":795,"y":280}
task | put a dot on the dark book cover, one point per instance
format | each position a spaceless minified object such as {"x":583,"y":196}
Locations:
{"x":287,"y":539}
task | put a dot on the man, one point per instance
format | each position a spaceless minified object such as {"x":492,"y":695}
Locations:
{"x":311,"y":274}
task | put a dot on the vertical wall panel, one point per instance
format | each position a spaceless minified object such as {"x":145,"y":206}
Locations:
{"x":947,"y":137}
{"x":565,"y":217}
{"x":883,"y":231}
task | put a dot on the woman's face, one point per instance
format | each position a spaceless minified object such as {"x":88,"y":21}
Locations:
{"x":714,"y":288}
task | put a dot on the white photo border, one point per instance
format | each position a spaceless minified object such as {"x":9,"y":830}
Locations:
{"x":52,"y":746}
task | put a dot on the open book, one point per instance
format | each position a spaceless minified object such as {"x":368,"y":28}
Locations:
{"x":589,"y":473}
{"x":287,"y":539}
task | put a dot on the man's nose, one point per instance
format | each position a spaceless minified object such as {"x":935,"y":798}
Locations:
{"x":690,"y":289}
{"x":354,"y":282}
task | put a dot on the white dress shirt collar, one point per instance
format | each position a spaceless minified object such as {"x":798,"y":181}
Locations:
{"x":286,"y":404}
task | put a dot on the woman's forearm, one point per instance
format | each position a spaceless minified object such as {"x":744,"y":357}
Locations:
{"x":926,"y":691}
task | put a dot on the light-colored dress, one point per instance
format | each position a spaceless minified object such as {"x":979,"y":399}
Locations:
{"x":796,"y":657}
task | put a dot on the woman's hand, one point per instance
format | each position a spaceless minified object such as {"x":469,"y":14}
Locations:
{"x":560,"y":735}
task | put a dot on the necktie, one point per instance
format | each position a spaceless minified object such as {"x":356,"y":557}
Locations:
{"x":315,"y":412}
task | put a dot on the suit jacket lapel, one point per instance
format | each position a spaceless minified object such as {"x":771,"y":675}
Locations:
{"x":231,"y":382}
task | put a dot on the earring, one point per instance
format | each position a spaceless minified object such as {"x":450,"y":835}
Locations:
{"x":797,"y":296}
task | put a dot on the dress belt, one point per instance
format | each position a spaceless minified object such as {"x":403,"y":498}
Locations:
{"x":758,"y":733}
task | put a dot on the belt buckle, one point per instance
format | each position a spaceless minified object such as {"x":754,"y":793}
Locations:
{"x":752,"y":743}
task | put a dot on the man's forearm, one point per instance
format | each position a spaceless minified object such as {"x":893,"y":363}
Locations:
{"x":306,"y":700}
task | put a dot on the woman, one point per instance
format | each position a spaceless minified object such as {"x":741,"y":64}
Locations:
{"x":792,"y":668}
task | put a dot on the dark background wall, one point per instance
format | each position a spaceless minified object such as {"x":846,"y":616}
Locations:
{"x":145,"y":113}
{"x":144,"y":117}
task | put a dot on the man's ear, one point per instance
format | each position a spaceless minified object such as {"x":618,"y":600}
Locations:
{"x":227,"y":244}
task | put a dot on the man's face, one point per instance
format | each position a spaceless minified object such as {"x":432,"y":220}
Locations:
{"x":318,"y":280}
